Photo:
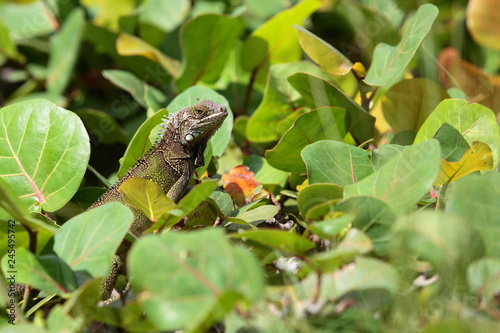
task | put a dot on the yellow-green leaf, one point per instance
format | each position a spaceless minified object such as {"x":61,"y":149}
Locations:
{"x":146,"y":196}
{"x":128,"y":45}
{"x":322,"y":53}
{"x":478,"y":157}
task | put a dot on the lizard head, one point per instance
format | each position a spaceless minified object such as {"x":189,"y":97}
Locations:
{"x":195,"y":125}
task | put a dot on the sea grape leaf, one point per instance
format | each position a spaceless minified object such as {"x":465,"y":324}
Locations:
{"x":146,"y":196}
{"x":64,"y":51}
{"x":408,"y":103}
{"x":475,"y":198}
{"x":331,"y":227}
{"x":281,"y":102}
{"x":315,"y":194}
{"x":372,"y":216}
{"x":447,"y":241}
{"x":336,"y":163}
{"x":384,"y":153}
{"x":86,"y":243}
{"x":205,"y":55}
{"x":44,"y":152}
{"x":478,"y":157}
{"x":483,"y":277}
{"x":318,"y":92}
{"x":165,"y":15}
{"x":15,"y":15}
{"x":287,"y":242}
{"x":47,"y":273}
{"x":102,"y":127}
{"x":264,"y":172}
{"x":403,"y":180}
{"x":201,"y":278}
{"x":108,"y":13}
{"x":186,"y":205}
{"x":140,"y":143}
{"x":475,"y":122}
{"x":326,"y":123}
{"x":322,"y":53}
{"x":453,"y":145}
{"x":196,"y":94}
{"x":390,"y":61}
{"x":128,"y":45}
{"x":132,"y":84}
{"x":276,"y":40}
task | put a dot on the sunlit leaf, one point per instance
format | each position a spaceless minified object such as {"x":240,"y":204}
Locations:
{"x":483,"y":22}
{"x":478,"y":157}
{"x":322,"y":53}
{"x":287,"y":242}
{"x":129,"y":45}
{"x":44,"y":151}
{"x":147,"y":196}
{"x":390,"y":61}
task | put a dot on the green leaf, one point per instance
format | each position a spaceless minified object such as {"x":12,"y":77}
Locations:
{"x":453,"y":145}
{"x":165,"y":15}
{"x":287,"y":242}
{"x":448,"y":242}
{"x":276,"y":41}
{"x":264,"y":172}
{"x":187,"y":204}
{"x":385,"y":153}
{"x":403,"y":180}
{"x":408,"y":103}
{"x":318,"y":92}
{"x":282,"y":99}
{"x":201,"y":278}
{"x":257,"y":215}
{"x":141,"y":143}
{"x":131,"y":83}
{"x":88,"y":241}
{"x":373,"y":217}
{"x":322,"y":53}
{"x":363,"y":275}
{"x":146,"y":196}
{"x":336,"y":162}
{"x":15,"y":15}
{"x":331,"y":228}
{"x":483,"y":277}
{"x":197,"y":94}
{"x":328,"y":123}
{"x":205,"y":55}
{"x":47,"y":273}
{"x":44,"y":153}
{"x":390,"y":61}
{"x":475,"y":122}
{"x":64,"y":49}
{"x":128,"y":45}
{"x":475,"y":199}
{"x":315,"y":194}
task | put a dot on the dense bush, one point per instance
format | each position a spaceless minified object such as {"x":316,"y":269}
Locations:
{"x":352,"y":188}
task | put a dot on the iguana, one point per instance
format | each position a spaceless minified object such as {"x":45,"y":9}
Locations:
{"x":170,"y":163}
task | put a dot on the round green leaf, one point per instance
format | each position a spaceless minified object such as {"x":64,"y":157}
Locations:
{"x":44,"y":152}
{"x":475,"y":122}
{"x":327,"y":123}
{"x":88,"y":241}
{"x":336,"y":162}
{"x":403,"y":180}
{"x":200,"y":278}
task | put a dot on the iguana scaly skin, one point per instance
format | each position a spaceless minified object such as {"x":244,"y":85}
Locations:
{"x":170,"y":163}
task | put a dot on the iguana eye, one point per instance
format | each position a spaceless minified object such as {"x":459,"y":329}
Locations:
{"x":199,"y":111}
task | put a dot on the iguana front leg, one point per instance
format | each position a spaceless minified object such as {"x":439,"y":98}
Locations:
{"x":185,"y":169}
